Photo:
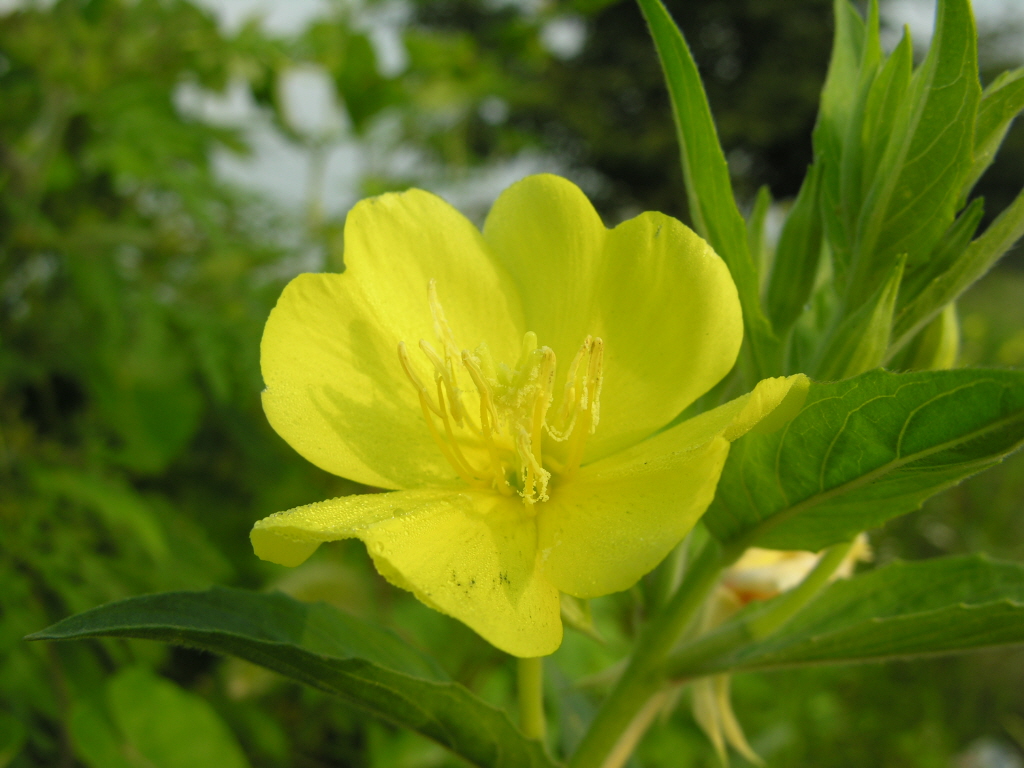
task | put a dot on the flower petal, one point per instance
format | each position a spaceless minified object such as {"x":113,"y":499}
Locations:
{"x":615,"y":522}
{"x":335,"y":388}
{"x":471,"y":555}
{"x":620,"y":516}
{"x":662,"y":300}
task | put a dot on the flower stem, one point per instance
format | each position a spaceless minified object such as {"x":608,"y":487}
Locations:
{"x":643,"y":677}
{"x":530,"y":674}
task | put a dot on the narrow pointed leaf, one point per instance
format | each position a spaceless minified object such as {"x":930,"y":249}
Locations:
{"x":888,"y":92}
{"x":322,"y":647}
{"x":755,"y":228}
{"x":863,"y":451}
{"x":972,"y":264}
{"x":904,"y":610}
{"x":838,"y":99}
{"x":862,"y":340}
{"x":796,"y":256}
{"x":1001,"y":102}
{"x":954,"y":243}
{"x":706,"y":173}
{"x":929,"y":153}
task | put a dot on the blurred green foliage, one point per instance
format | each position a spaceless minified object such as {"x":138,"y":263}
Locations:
{"x":134,"y":283}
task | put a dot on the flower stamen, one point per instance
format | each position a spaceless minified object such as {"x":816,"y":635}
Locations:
{"x":513,"y":406}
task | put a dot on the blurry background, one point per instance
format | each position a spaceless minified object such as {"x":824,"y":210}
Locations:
{"x":165,"y":168}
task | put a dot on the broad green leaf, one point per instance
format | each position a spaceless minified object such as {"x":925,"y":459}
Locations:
{"x":929,"y":153}
{"x":974,"y":262}
{"x":863,"y":451}
{"x":706,"y":173}
{"x":796,"y":256}
{"x":940,"y":606}
{"x":838,"y":98}
{"x":1001,"y":102}
{"x":862,"y":339}
{"x":322,"y":647}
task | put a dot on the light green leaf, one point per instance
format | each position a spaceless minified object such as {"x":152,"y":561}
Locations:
{"x":862,"y":339}
{"x":863,"y":451}
{"x":940,"y":606}
{"x":838,"y":101}
{"x":852,"y":170}
{"x":796,"y":256}
{"x":937,"y":347}
{"x":322,"y":647}
{"x":706,"y":173}
{"x":755,"y":228}
{"x":96,"y":742}
{"x":170,"y":727}
{"x":887,"y":94}
{"x":1001,"y":102}
{"x":929,"y":153}
{"x":974,"y":262}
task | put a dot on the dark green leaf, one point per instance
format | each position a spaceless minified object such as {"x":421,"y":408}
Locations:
{"x":863,"y":451}
{"x":940,"y":606}
{"x":322,"y":647}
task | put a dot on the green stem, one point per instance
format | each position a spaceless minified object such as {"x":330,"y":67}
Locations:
{"x":643,"y":677}
{"x":530,"y":673}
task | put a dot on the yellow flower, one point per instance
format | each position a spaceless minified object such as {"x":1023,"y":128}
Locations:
{"x":506,"y":385}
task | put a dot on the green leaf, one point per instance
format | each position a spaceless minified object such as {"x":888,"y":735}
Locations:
{"x":974,"y":262}
{"x":838,"y":98}
{"x":796,"y":256}
{"x":706,"y":173}
{"x":755,"y":228}
{"x":937,"y":347}
{"x":322,"y":647}
{"x":852,"y":171}
{"x":930,"y":152}
{"x":12,"y":737}
{"x":171,"y":727}
{"x":887,"y":94}
{"x":863,"y":451}
{"x":954,"y":242}
{"x":940,"y":606}
{"x":1001,"y":102}
{"x":862,"y":339}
